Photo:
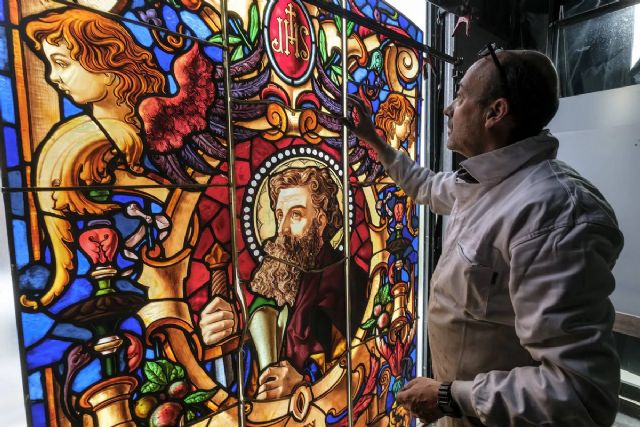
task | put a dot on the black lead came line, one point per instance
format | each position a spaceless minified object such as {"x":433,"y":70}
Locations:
{"x":381,"y":29}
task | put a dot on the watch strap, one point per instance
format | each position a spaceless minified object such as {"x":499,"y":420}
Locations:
{"x":446,"y":403}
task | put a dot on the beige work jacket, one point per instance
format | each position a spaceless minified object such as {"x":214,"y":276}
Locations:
{"x":519,"y":314}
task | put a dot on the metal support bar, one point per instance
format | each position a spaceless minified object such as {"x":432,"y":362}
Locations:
{"x":233,"y":202}
{"x":381,"y":29}
{"x":593,"y":13}
{"x":347,"y":208}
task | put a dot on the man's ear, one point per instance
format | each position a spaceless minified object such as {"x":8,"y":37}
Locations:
{"x":496,"y":112}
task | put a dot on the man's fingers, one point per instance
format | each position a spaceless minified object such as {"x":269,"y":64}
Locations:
{"x":217,"y":304}
{"x":217,"y":316}
{"x":211,"y":337}
{"x":402,"y":397}
{"x":269,"y":372}
{"x":269,"y":394}
{"x":221,"y":325}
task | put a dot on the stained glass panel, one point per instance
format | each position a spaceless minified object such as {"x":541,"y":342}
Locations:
{"x":184,"y":268}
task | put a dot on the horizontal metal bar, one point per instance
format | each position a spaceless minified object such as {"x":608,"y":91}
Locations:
{"x":627,"y":324}
{"x":594,"y":13}
{"x":381,"y":29}
{"x":111,"y":187}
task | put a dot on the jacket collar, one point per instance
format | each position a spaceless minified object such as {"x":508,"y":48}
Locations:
{"x":496,"y":165}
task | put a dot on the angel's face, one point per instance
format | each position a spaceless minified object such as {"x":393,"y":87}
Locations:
{"x":82,"y":85}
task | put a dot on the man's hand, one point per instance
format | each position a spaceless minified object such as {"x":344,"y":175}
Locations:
{"x":360,"y":122}
{"x":278,"y":380}
{"x":420,"y":397}
{"x":217,"y":321}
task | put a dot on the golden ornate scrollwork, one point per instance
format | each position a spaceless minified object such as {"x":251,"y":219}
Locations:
{"x":401,"y":63}
{"x":277,"y":117}
{"x":308,"y":124}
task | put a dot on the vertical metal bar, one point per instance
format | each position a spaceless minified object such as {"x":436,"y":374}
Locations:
{"x":347,"y":208}
{"x":421,"y":306}
{"x":233,"y":208}
{"x":449,"y":89}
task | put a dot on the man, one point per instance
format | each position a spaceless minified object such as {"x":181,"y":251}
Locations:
{"x":297,"y":320}
{"x":520,"y":324}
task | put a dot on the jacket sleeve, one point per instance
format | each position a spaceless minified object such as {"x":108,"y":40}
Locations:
{"x":421,"y":183}
{"x":559,"y":285}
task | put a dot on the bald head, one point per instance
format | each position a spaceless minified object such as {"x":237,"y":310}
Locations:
{"x":531,"y":88}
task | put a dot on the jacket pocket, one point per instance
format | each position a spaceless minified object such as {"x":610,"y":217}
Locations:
{"x":479,"y":278}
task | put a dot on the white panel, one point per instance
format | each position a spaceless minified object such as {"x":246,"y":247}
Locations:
{"x":599,"y":136}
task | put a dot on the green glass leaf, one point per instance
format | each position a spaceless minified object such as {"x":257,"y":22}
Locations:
{"x":216,"y":38}
{"x":368,"y":324}
{"x":237,"y":54}
{"x":337,"y":69}
{"x":154,"y":372}
{"x":172,"y":372}
{"x":149,"y":387}
{"x":199,"y":397}
{"x":350,"y":25}
{"x":338,"y":20}
{"x":177,"y":373}
{"x":234,"y":39}
{"x":254,"y":23}
{"x":397,"y":386}
{"x":190,"y":415}
{"x":322,"y":45}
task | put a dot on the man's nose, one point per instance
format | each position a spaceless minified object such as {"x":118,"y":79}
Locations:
{"x":448,"y":110}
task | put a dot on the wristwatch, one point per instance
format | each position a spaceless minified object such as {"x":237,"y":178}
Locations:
{"x":446,"y":403}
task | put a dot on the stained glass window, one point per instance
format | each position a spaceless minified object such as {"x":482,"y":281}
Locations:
{"x":180,"y":255}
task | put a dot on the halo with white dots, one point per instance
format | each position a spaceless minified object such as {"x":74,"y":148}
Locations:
{"x":252,"y":240}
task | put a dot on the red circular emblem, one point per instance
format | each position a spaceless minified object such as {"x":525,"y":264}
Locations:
{"x":290,"y":40}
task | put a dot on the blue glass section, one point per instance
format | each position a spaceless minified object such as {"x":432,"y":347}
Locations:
{"x":213,"y":52}
{"x":69,"y":108}
{"x":195,"y":23}
{"x":17,"y":203}
{"x":4,"y":53}
{"x":2,"y":11}
{"x":156,"y":208}
{"x":173,"y":86}
{"x":87,"y":376}
{"x":7,"y":111}
{"x":83,"y":263}
{"x":132,"y":325}
{"x":80,"y":289}
{"x":367,"y":10}
{"x":71,"y":332}
{"x":149,"y":354}
{"x":35,"y":326}
{"x":48,"y":352}
{"x":20,"y":242}
{"x":35,"y":386}
{"x":164,"y":59}
{"x":15,"y":179}
{"x":123,"y":262}
{"x":171,"y":19}
{"x":12,"y":158}
{"x":126,"y":225}
{"x":137,"y":3}
{"x":38,"y":417}
{"x":142,"y":34}
{"x":47,"y":255}
{"x":120,"y":198}
{"x":34,"y":278}
{"x":124,"y":285}
{"x":360,"y":74}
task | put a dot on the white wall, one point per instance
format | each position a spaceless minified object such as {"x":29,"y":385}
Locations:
{"x":600,"y":137}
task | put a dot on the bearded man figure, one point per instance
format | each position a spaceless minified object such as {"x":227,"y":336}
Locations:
{"x":297,"y":321}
